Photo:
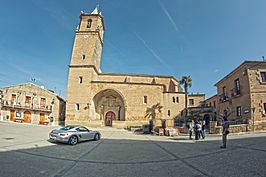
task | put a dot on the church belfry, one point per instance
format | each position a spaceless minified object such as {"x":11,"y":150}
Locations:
{"x":87,"y":49}
{"x":98,"y":99}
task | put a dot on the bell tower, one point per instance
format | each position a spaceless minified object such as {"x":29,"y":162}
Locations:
{"x":87,"y":49}
{"x":84,"y":66}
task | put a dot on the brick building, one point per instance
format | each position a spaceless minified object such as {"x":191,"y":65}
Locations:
{"x":241,"y":95}
{"x":213,"y":103}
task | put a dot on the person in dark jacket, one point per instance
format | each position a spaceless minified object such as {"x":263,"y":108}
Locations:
{"x":163,"y":125}
{"x":225,"y":132}
{"x":197,"y":128}
{"x":151,"y":126}
{"x":190,"y":128}
{"x":202,"y":130}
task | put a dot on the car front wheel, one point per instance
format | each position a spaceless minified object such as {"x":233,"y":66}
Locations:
{"x":97,"y":137}
{"x":73,"y":140}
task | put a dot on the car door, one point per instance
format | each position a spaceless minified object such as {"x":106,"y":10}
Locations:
{"x":91,"y":134}
{"x":84,"y":133}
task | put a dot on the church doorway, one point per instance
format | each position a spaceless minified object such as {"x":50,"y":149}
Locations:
{"x":109,"y":107}
{"x":109,"y":117}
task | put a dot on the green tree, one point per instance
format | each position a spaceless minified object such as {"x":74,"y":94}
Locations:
{"x":186,"y":81}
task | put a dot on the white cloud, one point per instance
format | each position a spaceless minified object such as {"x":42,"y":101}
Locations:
{"x":158,"y":58}
{"x":169,"y":16}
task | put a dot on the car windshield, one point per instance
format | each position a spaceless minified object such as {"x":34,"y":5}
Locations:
{"x":67,"y":127}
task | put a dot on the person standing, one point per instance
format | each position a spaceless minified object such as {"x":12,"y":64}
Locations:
{"x":203,"y":125}
{"x":151,"y":126}
{"x":163,"y":125}
{"x":197,"y":130}
{"x":190,"y":128}
{"x":225,"y":132}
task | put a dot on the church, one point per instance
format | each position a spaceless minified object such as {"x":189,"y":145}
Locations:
{"x":96,"y":99}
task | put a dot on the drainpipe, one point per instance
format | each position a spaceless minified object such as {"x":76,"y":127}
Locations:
{"x":253,"y":115}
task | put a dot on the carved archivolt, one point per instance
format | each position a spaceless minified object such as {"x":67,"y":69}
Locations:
{"x":109,"y":100}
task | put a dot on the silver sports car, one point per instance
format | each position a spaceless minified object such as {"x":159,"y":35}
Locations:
{"x":73,"y":134}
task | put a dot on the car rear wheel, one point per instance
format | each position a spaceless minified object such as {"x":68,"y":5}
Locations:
{"x":97,"y":137}
{"x":73,"y":140}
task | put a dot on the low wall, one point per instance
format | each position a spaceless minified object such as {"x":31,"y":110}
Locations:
{"x":126,"y":124}
{"x":100,"y":123}
{"x":121,"y":124}
{"x":182,"y":130}
{"x":168,"y":122}
{"x":260,"y":126}
{"x":232,"y":128}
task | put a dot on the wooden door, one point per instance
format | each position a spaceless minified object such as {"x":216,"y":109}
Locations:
{"x":27,"y":117}
{"x":12,"y":115}
{"x":109,"y":117}
{"x":42,"y":118}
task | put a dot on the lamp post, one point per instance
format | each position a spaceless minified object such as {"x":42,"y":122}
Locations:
{"x":253,"y":110}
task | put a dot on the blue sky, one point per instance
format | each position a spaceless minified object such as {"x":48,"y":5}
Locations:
{"x":204,"y":39}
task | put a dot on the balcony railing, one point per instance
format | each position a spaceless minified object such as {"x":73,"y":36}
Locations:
{"x":235,"y":92}
{"x":27,"y":106}
{"x":223,"y":97}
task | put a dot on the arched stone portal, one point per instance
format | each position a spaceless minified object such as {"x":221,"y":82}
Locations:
{"x":109,"y":101}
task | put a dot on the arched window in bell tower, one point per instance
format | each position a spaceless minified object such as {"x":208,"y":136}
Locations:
{"x":89,"y":23}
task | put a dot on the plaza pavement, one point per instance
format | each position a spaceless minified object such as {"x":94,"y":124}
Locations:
{"x":25,"y":152}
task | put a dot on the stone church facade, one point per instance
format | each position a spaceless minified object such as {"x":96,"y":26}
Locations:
{"x":106,"y":99}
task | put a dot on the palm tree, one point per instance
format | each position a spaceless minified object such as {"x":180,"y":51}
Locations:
{"x":187,"y":82}
{"x":151,"y":112}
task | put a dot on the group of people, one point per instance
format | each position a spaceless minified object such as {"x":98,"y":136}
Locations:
{"x":198,"y":127}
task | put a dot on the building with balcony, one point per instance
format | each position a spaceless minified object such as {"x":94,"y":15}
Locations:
{"x":196,"y":110}
{"x":212,"y":103}
{"x":31,"y":103}
{"x":241,"y":95}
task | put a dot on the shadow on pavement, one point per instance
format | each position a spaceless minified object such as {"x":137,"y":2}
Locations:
{"x":125,"y":157}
